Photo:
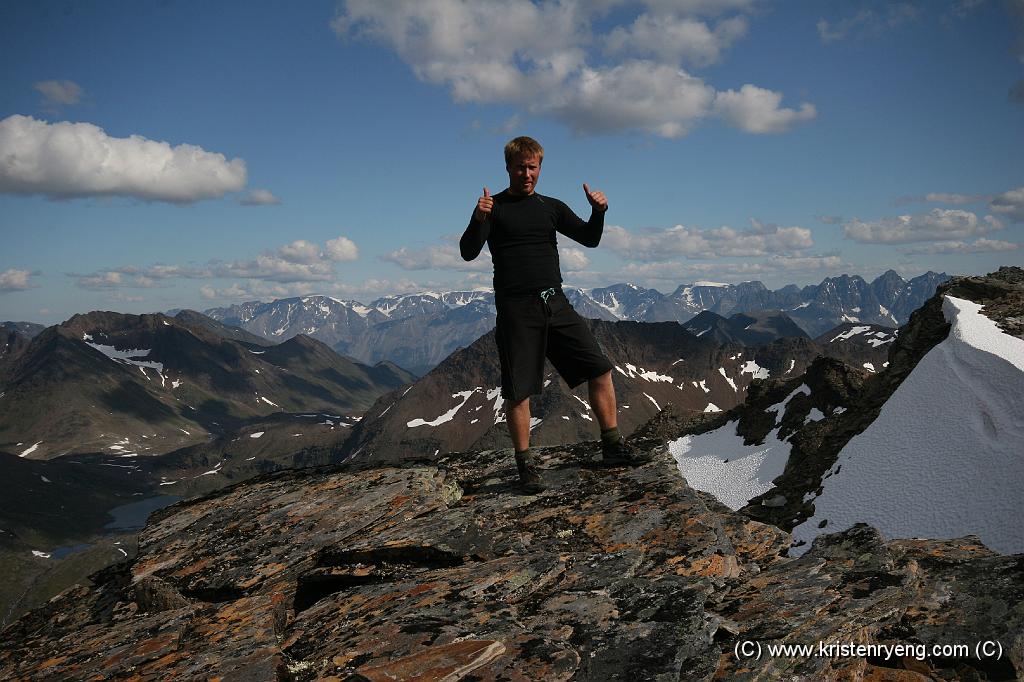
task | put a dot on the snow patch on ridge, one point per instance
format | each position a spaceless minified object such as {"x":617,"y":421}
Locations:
{"x":447,"y":416}
{"x":815,"y":415}
{"x":754,"y":369}
{"x":721,"y":370}
{"x":719,"y":463}
{"x":850,"y":333}
{"x":495,"y":395}
{"x":32,"y":449}
{"x":779,"y":408}
{"x":943,"y":458}
{"x":127,"y":357}
{"x":635,"y":372}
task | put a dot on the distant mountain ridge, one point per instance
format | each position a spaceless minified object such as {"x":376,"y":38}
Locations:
{"x":755,"y":328}
{"x":417,"y":331}
{"x":27,"y":329}
{"x":137,"y":385}
{"x":458,"y":405}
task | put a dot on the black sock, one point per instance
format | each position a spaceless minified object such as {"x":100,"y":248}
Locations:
{"x":611,"y":435}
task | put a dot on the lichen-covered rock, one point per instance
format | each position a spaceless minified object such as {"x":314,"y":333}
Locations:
{"x":446,"y":571}
{"x":855,"y":588}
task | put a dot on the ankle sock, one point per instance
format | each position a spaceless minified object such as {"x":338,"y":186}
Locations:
{"x":610,"y":436}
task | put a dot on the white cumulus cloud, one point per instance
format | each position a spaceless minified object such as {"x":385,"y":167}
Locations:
{"x":276,"y":268}
{"x":936,"y":225}
{"x":372,"y":288}
{"x":133,"y":276}
{"x":300,"y":261}
{"x":673,"y":242}
{"x":341,"y":249}
{"x":757,"y":110}
{"x":59,"y":92}
{"x":260,"y":197}
{"x":256,"y":290}
{"x":953,"y":198}
{"x":66,"y":160}
{"x":294,"y":267}
{"x":440,"y":257}
{"x":547,"y":59}
{"x":301,"y":251}
{"x":161,"y":271}
{"x":676,"y":272}
{"x":977,"y":246}
{"x":674,"y":39}
{"x":1010,"y":204}
{"x":636,"y":95}
{"x":572,"y":259}
{"x":14,"y":280}
{"x":102,"y":280}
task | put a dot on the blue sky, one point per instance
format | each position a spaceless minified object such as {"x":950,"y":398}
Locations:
{"x":158,"y":155}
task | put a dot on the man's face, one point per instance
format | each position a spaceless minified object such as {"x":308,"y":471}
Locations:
{"x":523,"y":172}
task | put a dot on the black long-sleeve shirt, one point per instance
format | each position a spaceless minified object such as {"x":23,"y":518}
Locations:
{"x":520,"y":233}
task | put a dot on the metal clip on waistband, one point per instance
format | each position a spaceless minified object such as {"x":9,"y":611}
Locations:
{"x":547,"y":293}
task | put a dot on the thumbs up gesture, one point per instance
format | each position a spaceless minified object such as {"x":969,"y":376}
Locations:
{"x":484,"y":205}
{"x":597,"y":199}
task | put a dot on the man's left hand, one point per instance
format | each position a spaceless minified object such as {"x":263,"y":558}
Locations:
{"x":597,"y":199}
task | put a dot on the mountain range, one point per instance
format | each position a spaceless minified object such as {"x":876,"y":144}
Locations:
{"x":148,"y":384}
{"x":753,"y":328}
{"x":458,"y":405}
{"x":26,"y":329}
{"x":929,"y":447}
{"x":180,"y":406}
{"x":756,"y":563}
{"x":418,"y":331}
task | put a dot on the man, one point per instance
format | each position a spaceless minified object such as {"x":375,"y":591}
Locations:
{"x":535,"y":320}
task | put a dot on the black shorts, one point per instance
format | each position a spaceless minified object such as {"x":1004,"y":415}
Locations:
{"x":529,"y":329}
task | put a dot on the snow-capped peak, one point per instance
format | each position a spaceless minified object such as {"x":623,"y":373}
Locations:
{"x":912,"y":475}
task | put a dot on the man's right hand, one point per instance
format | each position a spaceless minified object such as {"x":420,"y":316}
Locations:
{"x":484,"y":205}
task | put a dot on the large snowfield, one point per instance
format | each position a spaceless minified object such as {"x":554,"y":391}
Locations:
{"x":944,"y":458}
{"x":719,"y":463}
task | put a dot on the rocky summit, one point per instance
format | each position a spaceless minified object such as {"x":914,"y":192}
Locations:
{"x":444,"y":570}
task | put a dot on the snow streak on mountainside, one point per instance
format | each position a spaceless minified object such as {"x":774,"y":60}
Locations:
{"x":718,"y":462}
{"x":943,"y":458}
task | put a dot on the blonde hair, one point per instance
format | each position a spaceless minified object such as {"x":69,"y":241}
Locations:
{"x":523,"y":146}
